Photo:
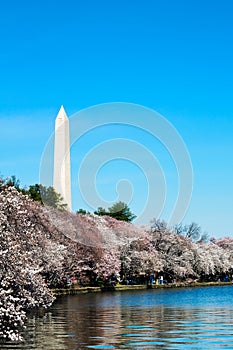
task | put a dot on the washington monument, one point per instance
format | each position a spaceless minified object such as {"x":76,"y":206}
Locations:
{"x":61,"y":173}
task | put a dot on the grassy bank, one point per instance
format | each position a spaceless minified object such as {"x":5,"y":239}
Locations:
{"x":84,"y":290}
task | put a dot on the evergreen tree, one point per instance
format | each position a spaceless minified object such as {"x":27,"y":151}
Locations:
{"x":46,"y":195}
{"x":119,"y":211}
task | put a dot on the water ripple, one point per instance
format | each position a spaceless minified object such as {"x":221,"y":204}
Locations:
{"x":200,"y":318}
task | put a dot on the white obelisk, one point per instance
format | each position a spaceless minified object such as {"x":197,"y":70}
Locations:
{"x":61,"y":174}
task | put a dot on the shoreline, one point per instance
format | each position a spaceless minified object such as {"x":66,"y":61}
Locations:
{"x":119,"y":288}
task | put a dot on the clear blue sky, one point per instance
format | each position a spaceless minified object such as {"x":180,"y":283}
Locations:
{"x":172,"y":56}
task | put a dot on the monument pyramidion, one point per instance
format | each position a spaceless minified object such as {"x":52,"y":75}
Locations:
{"x":61,"y":174}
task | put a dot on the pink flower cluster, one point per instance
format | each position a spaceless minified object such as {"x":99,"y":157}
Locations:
{"x":42,"y":247}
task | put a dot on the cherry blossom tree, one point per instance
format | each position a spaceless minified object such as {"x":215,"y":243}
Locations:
{"x":42,"y":247}
{"x":21,"y":285}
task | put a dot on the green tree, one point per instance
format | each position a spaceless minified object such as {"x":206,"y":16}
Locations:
{"x":101,"y":211}
{"x":82,"y":211}
{"x":46,"y":195}
{"x":37,"y":192}
{"x":119,"y":211}
{"x":13,"y":181}
{"x":34,"y":192}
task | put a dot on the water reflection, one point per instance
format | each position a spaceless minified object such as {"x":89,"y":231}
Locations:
{"x":197,"y":318}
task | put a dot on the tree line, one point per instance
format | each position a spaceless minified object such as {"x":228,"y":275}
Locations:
{"x":119,"y":210}
{"x":43,"y":247}
{"x":48,"y":195}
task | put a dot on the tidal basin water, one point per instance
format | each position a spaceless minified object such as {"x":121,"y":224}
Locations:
{"x":185,"y":318}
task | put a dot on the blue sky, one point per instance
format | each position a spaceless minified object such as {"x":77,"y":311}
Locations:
{"x":171,"y":56}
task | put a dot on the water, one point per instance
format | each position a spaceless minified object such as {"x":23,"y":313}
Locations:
{"x":187,"y":318}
